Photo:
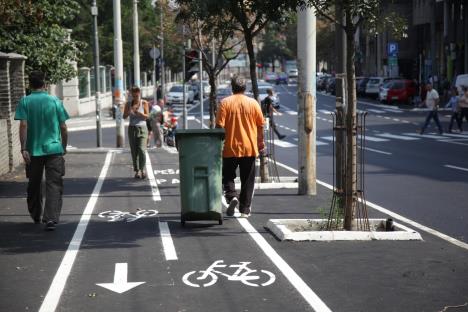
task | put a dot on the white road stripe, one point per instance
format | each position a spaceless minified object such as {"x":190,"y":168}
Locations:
{"x":376,"y":151}
{"x":296,"y":281}
{"x":398,"y":137}
{"x":394,"y":215}
{"x":393,"y":110}
{"x":168,"y":244}
{"x":284,"y":144}
{"x":290,"y":112}
{"x":152,"y":180}
{"x":171,"y":150}
{"x":374,"y":139}
{"x":377,"y":111}
{"x":324,"y":111}
{"x":455,"y":167}
{"x":456,"y":135}
{"x":58,"y":284}
{"x":428,"y":136}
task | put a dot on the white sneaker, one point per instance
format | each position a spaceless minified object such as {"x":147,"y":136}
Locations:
{"x":244,"y":215}
{"x":232,"y":206}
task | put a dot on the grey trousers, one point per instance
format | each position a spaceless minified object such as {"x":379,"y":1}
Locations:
{"x":54,"y":166}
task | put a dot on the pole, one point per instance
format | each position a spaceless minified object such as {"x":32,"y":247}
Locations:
{"x":340,"y":41}
{"x":306,"y":38}
{"x":465,"y":19}
{"x":155,"y":85}
{"x":119,"y":98}
{"x":184,"y":96}
{"x":200,"y":74}
{"x":97,"y":80}
{"x":136,"y":46}
{"x":163,"y":68}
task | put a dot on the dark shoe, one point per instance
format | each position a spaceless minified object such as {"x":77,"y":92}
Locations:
{"x":37,"y":221}
{"x":143,"y":174}
{"x":137,"y":175}
{"x":232,"y":206}
{"x":281,"y":136}
{"x":50,"y":226}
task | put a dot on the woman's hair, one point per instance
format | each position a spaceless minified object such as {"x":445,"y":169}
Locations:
{"x":135,"y":89}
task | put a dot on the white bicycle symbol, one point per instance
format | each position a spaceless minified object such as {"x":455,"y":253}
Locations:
{"x":243,"y":274}
{"x":117,"y":215}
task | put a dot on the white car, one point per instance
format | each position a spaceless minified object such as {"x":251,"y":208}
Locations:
{"x":175,"y":95}
{"x":293,"y":73}
{"x":262,"y":94}
{"x":373,"y":85}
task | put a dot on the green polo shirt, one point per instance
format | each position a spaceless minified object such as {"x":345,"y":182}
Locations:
{"x":44,"y":114}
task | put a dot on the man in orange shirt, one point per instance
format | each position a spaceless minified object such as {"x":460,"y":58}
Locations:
{"x":242,"y":119}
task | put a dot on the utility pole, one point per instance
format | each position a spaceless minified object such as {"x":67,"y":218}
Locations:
{"x":163,"y":68}
{"x":184,"y":97}
{"x":136,"y":46}
{"x":306,"y":39}
{"x":200,"y":74}
{"x":97,"y":80}
{"x":340,"y":48}
{"x":119,"y":98}
{"x":465,"y":19}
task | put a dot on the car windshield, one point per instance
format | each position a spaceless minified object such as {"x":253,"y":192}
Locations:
{"x":176,"y":89}
{"x":387,"y":84}
{"x":397,"y":85}
{"x":374,"y":81}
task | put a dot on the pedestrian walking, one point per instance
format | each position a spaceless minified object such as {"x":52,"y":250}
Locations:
{"x":156,"y":120}
{"x":269,"y":110}
{"x":43,"y":137}
{"x":453,"y":105}
{"x":138,"y":111}
{"x":463,"y":104}
{"x":432,"y":102}
{"x":242,"y":119}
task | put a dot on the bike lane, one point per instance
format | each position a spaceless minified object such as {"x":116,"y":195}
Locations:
{"x":196,"y":247}
{"x":30,"y":256}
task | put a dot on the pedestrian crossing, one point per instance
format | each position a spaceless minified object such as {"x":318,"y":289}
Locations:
{"x":377,"y":137}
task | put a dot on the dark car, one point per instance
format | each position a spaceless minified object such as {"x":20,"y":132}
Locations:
{"x":331,"y":85}
{"x":282,"y":78}
{"x":361,"y":86}
{"x":322,"y":83}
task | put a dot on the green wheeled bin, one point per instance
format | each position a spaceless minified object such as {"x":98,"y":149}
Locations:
{"x":200,"y":167}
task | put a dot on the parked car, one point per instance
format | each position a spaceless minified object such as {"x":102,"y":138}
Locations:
{"x":175,"y":95}
{"x":322,"y":83}
{"x":282,"y":78}
{"x":361,"y":86}
{"x":401,"y":91}
{"x":292,"y":74}
{"x":262,"y":93}
{"x":461,"y":80}
{"x":270,"y":77}
{"x":374,"y":84}
{"x":331,"y":85}
{"x":222,"y":93}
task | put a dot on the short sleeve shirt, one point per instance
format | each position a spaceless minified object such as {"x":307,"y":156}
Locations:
{"x":431,"y":98}
{"x":44,"y":114}
{"x":240,"y":116}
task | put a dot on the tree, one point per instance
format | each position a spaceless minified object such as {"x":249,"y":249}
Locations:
{"x":356,"y":14}
{"x":38,"y":30}
{"x":206,"y":30}
{"x":275,"y":42}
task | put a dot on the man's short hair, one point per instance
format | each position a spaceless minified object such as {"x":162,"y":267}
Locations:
{"x":135,"y":89}
{"x":238,"y":84}
{"x":270,"y":91}
{"x":37,"y":79}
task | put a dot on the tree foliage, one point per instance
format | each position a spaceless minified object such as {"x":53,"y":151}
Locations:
{"x":38,"y":30}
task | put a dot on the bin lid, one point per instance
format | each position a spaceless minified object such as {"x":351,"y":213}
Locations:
{"x":198,"y":132}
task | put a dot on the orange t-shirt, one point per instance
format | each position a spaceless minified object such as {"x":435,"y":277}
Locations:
{"x":240,"y":116}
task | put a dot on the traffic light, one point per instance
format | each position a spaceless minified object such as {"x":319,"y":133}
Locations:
{"x":191,"y":64}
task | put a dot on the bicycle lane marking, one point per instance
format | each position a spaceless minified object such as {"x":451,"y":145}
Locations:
{"x":55,"y":291}
{"x":296,"y":281}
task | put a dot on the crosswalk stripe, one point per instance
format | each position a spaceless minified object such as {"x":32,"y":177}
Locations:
{"x":456,"y":135}
{"x":393,"y":110}
{"x":398,"y":137}
{"x":284,"y":144}
{"x":428,"y":136}
{"x":377,"y":111}
{"x":324,"y":111}
{"x":368,"y":137}
{"x":290,"y":112}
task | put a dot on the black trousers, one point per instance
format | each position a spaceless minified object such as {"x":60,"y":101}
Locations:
{"x":455,"y":117}
{"x":54,"y":166}
{"x":247,"y":176}
{"x":463,"y":114}
{"x":273,"y":126}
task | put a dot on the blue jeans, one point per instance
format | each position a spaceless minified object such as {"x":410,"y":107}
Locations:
{"x":432,"y":115}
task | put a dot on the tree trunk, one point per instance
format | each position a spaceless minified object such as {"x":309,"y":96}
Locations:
{"x":212,"y":82}
{"x":264,"y":175}
{"x":351,"y":176}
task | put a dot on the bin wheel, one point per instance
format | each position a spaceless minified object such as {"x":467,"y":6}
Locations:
{"x":220,"y":221}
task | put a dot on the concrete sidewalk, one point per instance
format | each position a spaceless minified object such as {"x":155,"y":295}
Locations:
{"x":426,"y":275}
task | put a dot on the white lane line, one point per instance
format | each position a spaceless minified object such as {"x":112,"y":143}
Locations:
{"x":171,"y":150}
{"x":296,"y":281}
{"x":168,"y":244}
{"x":456,"y":135}
{"x":284,"y":144}
{"x":324,"y":111}
{"x":152,"y":180}
{"x":377,"y":111}
{"x":455,"y":167}
{"x":374,"y":139}
{"x":290,"y":112}
{"x":376,"y":151}
{"x":396,"y":119}
{"x":428,"y":136}
{"x":393,"y":110}
{"x":398,"y":137}
{"x":54,"y":293}
{"x":394,"y":215}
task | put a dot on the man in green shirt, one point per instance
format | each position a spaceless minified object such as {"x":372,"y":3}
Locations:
{"x":43,"y":137}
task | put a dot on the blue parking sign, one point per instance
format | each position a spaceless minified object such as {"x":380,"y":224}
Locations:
{"x":392,"y":49}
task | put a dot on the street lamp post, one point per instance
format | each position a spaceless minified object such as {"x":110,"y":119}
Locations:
{"x":118,"y":76}
{"x":136,"y":46}
{"x":94,"y":13}
{"x":163,"y":68}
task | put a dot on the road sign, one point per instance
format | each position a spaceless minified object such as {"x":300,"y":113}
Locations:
{"x":120,"y":284}
{"x":392,"y":49}
{"x":392,"y":61}
{"x":154,"y":53}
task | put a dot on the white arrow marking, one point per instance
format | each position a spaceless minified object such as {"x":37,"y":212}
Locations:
{"x":120,"y":284}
